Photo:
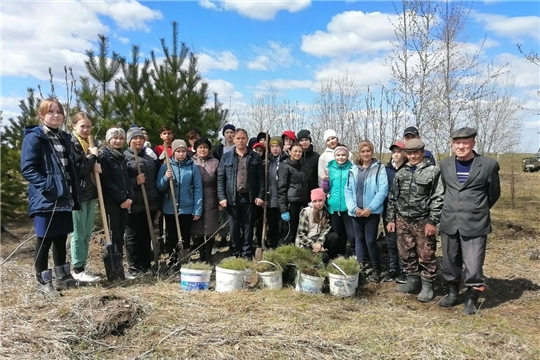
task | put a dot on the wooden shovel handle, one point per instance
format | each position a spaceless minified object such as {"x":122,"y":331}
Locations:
{"x":100,"y":199}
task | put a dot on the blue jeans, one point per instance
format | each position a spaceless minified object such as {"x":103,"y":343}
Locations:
{"x":365,"y":234}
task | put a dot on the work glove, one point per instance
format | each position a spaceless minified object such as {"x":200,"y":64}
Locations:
{"x":286,"y":216}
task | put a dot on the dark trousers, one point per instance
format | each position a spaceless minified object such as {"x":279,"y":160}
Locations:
{"x":294,"y":212}
{"x":118,"y":219}
{"x":365,"y":234}
{"x":241,"y":226}
{"x":139,"y":241}
{"x":342,"y":225}
{"x":205,"y":245}
{"x":259,"y":214}
{"x":333,"y":245}
{"x":185,"y":220}
{"x":394,"y":262}
{"x":459,"y":251}
{"x":417,"y":251}
{"x":276,"y":227}
{"x":41,"y":251}
{"x":224,"y":231}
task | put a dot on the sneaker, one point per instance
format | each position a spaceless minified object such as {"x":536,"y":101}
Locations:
{"x":401,"y":278}
{"x":85,"y":276}
{"x":375,"y":277}
{"x":391,"y":276}
{"x":131,"y":274}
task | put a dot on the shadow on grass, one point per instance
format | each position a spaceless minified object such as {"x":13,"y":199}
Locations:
{"x":501,"y":291}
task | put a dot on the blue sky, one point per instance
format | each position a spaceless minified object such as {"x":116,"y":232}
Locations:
{"x":247,"y":46}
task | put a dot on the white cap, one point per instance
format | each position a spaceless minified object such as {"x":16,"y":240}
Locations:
{"x":329,"y":133}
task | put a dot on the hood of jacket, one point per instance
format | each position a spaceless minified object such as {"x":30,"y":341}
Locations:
{"x":293,"y":163}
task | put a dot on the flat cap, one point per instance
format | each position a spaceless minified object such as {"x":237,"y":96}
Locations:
{"x":414,"y":144}
{"x":464,"y":133}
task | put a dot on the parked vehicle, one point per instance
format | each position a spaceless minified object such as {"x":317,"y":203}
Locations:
{"x":531,"y":164}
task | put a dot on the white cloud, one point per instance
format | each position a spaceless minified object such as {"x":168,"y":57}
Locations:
{"x":10,"y":107}
{"x":364,"y":73}
{"x":273,"y":57}
{"x":226,"y":92}
{"x":47,"y":35}
{"x":351,"y":32}
{"x":285,"y":84}
{"x":525,"y":73}
{"x":515,"y":28}
{"x":122,"y":39}
{"x":256,"y":9}
{"x":224,"y":60}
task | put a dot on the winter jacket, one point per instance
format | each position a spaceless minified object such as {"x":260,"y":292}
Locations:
{"x":187,"y":188}
{"x":375,"y":189}
{"x":41,"y":166}
{"x":84,"y":165}
{"x":208,"y":224}
{"x":337,"y":179}
{"x":309,"y":232}
{"x":310,"y":165}
{"x":417,"y":195}
{"x":430,"y":158}
{"x":274,"y":162}
{"x":391,"y":173}
{"x":115,"y":179}
{"x":324,"y":159}
{"x":292,"y":184}
{"x":219,"y":150}
{"x":227,"y":176}
{"x":148,"y":168}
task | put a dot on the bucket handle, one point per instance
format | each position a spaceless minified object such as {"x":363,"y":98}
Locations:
{"x":345,"y":283}
{"x":271,"y":263}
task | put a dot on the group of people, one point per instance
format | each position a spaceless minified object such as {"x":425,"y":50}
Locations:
{"x":331,"y":203}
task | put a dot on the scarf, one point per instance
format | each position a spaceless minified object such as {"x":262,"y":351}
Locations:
{"x":118,"y":155}
{"x":84,"y":143}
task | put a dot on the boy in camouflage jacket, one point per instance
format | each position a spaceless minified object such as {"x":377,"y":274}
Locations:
{"x":414,"y":210}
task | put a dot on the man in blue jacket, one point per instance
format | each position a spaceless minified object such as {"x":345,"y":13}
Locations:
{"x":241,"y":186}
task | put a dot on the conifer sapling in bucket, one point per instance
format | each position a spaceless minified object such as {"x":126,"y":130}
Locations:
{"x":343,"y":275}
{"x":233,"y":274}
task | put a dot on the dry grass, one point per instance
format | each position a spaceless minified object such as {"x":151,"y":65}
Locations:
{"x":153,"y":319}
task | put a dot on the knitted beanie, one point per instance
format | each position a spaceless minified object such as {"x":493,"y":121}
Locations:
{"x":329,"y":133}
{"x":318,"y":194}
{"x":276,"y":140}
{"x":133,"y":132}
{"x":112,"y":132}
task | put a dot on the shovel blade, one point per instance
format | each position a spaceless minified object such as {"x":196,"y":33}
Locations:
{"x":113,"y":264}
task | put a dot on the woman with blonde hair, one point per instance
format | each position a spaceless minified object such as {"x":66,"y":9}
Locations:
{"x":86,"y":163}
{"x":47,"y":165}
{"x":365,"y":193}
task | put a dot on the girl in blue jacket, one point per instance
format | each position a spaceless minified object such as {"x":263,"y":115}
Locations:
{"x":188,"y":194}
{"x":47,"y":165}
{"x":338,"y":173}
{"x":365,"y":192}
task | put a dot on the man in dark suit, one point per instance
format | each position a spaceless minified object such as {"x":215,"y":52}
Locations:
{"x":472,"y":188}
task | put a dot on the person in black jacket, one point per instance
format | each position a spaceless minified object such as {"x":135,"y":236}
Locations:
{"x":310,"y":159}
{"x":85,"y":159}
{"x":116,"y":184}
{"x":276,"y":158}
{"x":240,"y":185}
{"x":293,"y":193}
{"x":138,"y":237}
{"x":228,"y":141}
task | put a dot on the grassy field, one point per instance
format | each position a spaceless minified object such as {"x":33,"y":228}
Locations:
{"x":152,"y":318}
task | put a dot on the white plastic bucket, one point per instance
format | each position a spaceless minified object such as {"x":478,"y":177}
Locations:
{"x":272,"y":279}
{"x":231,"y":280}
{"x":193,"y":280}
{"x":343,"y":285}
{"x":309,"y":284}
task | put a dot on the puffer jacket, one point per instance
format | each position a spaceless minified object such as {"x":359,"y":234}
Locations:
{"x":187,"y":188}
{"x":417,"y":195}
{"x":274,"y":162}
{"x":84,"y":165}
{"x":337,"y":179}
{"x":309,"y":165}
{"x":148,"y":168}
{"x":292,"y":185}
{"x":375,"y":189}
{"x":48,"y":188}
{"x":115,"y":179}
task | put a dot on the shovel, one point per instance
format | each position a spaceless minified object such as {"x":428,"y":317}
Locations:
{"x":112,"y":259}
{"x":155,"y":244}
{"x":259,"y":251}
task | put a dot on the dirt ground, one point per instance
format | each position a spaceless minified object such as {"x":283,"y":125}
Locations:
{"x":151,"y":317}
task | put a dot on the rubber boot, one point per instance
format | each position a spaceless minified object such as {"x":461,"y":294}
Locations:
{"x":426,"y":294}
{"x":451,"y":298}
{"x":46,"y":287}
{"x":64,"y":279}
{"x":471,"y":301}
{"x":411,"y":287}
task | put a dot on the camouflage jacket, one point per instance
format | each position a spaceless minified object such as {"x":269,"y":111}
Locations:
{"x":417,"y":194}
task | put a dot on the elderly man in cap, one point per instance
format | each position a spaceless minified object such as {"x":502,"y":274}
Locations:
{"x":414,"y":209}
{"x":411,"y":132}
{"x":472,"y":188}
